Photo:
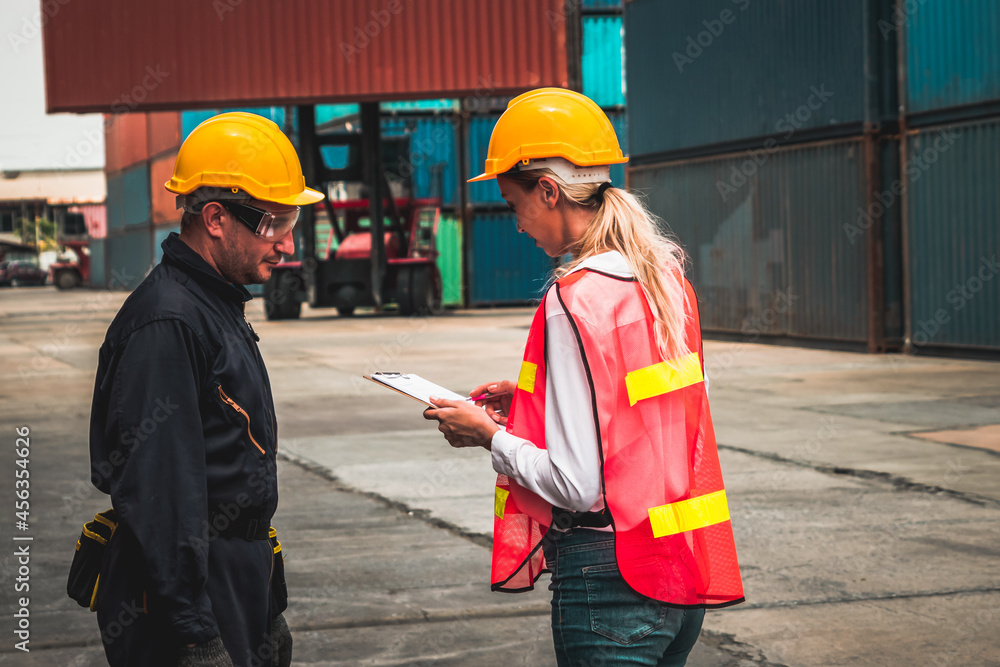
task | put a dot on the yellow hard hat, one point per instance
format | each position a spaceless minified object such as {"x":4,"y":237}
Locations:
{"x":549,"y":123}
{"x":242,"y":151}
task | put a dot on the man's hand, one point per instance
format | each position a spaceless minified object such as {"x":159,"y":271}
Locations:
{"x":209,"y":654}
{"x":462,"y":423}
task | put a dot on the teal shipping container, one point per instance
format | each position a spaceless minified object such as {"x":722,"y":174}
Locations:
{"x":98,"y":278}
{"x":505,"y":266}
{"x":601,"y":60}
{"x":718,"y":75}
{"x":953,"y":205}
{"x":777,"y":250}
{"x":952,"y":52}
{"x":128,"y":257}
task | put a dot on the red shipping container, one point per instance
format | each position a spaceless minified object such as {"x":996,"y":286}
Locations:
{"x":115,"y":57}
{"x":163,"y":201}
{"x":163,"y":132}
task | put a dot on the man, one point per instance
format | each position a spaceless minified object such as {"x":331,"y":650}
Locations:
{"x":183,"y":433}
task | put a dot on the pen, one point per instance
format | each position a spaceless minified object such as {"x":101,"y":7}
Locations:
{"x":488,"y":395}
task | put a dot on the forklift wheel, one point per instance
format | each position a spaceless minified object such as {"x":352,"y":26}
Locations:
{"x":425,"y":290}
{"x":346,"y":311}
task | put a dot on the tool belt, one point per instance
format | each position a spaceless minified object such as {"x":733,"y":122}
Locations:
{"x":85,"y":570}
{"x":247,"y":525}
{"x":564,"y":520}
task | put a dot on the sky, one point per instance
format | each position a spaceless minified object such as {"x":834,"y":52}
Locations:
{"x":29,"y":138}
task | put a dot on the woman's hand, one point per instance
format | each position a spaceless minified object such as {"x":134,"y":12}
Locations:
{"x":463,"y":424}
{"x":498,"y":406}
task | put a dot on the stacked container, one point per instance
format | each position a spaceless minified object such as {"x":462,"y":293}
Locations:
{"x":140,"y":150}
{"x":765,"y":135}
{"x":951,"y":203}
{"x":504,"y":267}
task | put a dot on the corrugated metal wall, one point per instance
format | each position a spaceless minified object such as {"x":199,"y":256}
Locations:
{"x":449,"y":261}
{"x":769,"y":253}
{"x":302,"y":51}
{"x":954,"y":235}
{"x":128,"y":257}
{"x":602,"y":60}
{"x":505,"y":267}
{"x":952,"y":53}
{"x":714,"y":72}
{"x":98,"y":278}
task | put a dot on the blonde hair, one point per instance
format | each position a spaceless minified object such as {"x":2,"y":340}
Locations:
{"x":622,"y":223}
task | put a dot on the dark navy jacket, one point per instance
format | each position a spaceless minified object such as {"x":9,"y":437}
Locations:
{"x":183,"y":431}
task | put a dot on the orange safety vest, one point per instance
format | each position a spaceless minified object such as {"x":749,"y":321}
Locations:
{"x":660,"y":471}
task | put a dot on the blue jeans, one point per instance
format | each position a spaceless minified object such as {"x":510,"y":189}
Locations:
{"x":598,"y":620}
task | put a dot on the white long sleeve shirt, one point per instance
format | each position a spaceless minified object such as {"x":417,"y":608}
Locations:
{"x":568,"y":472}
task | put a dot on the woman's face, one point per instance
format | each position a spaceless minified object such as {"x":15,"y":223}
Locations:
{"x":538,"y":214}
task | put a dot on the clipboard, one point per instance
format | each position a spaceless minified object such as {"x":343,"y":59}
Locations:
{"x":413,"y":386}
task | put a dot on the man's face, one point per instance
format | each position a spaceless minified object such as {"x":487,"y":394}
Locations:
{"x":248,"y":259}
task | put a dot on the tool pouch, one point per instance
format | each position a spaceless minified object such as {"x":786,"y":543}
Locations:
{"x":85,"y":570}
{"x":279,"y":591}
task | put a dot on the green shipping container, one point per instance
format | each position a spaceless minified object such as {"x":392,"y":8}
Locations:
{"x":449,"y":261}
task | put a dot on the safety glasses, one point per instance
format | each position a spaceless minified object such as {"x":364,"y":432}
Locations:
{"x":260,"y":222}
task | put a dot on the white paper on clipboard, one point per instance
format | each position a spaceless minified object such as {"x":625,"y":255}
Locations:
{"x":414,"y":386}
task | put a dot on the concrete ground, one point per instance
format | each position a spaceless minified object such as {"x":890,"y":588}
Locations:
{"x":864,"y":491}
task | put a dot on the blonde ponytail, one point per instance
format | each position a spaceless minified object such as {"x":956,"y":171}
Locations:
{"x":622,"y":223}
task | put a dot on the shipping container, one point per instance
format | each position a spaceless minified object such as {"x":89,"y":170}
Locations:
{"x":601,"y":60}
{"x":95,"y":216}
{"x":449,"y":260}
{"x":163,"y":132}
{"x":160,"y":235}
{"x":953,"y":229}
{"x":505,"y":266}
{"x":303,"y":52}
{"x":718,"y":75}
{"x":952,"y":53}
{"x":163,"y":202}
{"x":779,"y":246}
{"x":135,"y":195}
{"x":115,"y":203}
{"x":128,"y":258}
{"x":125,"y":141}
{"x":98,"y":278}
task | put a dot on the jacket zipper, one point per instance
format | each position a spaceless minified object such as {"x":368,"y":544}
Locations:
{"x":243,"y":412}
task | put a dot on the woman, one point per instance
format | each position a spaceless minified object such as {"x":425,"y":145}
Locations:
{"x":608,"y":470}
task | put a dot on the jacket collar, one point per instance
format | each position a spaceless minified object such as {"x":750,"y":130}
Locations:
{"x":181,"y":255}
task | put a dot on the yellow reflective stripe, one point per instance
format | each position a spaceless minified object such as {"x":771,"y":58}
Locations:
{"x":662,"y":378}
{"x":94,"y":536}
{"x":500,"y":502}
{"x":526,"y":378}
{"x":93,"y":596}
{"x":690,"y":514}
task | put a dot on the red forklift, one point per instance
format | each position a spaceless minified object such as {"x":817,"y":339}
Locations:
{"x":380,"y":248}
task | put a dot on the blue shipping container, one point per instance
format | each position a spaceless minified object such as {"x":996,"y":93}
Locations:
{"x":952,"y":52}
{"x":97,"y":263}
{"x":128,"y":258}
{"x":160,"y":234}
{"x":729,"y":71}
{"x":505,"y":266}
{"x":769,"y":246}
{"x":954,"y":236}
{"x":135,"y":195}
